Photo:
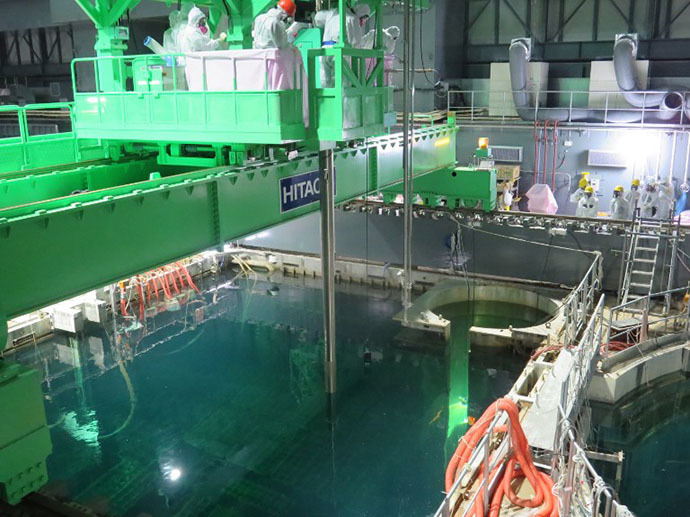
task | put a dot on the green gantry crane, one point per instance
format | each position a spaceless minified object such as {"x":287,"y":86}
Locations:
{"x":171,"y":171}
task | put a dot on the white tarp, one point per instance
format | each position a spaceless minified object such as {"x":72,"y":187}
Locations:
{"x":248,"y":70}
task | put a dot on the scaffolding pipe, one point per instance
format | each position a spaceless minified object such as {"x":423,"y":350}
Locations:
{"x":328,"y":265}
{"x":687,"y":159}
{"x":672,"y":166}
{"x":408,"y":136}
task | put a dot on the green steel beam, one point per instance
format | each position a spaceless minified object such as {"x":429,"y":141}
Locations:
{"x":56,"y":249}
{"x":57,"y":184}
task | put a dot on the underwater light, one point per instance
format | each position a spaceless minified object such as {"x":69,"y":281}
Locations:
{"x":175,"y":474}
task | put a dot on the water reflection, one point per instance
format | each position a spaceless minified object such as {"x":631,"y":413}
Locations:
{"x":216,"y":406}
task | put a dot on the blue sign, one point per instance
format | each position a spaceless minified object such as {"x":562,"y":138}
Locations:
{"x":301,"y":190}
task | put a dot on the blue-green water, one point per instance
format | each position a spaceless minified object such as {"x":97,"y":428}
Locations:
{"x":652,"y":428}
{"x":227,"y":416}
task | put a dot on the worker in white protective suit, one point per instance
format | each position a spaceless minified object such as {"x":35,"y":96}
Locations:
{"x":271,"y":29}
{"x":580,"y":192}
{"x":664,"y":201}
{"x":632,"y":197}
{"x":649,"y":201}
{"x":588,"y":206}
{"x":507,"y":198}
{"x":329,"y":21}
{"x":619,"y":206}
{"x":390,"y":39}
{"x":196,"y":36}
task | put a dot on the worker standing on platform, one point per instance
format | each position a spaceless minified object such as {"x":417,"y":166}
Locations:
{"x":633,"y":197}
{"x":329,"y":21}
{"x":580,"y":192}
{"x":196,"y":36}
{"x":619,"y":206}
{"x":649,"y":201}
{"x":270,"y":28}
{"x":588,"y":206}
{"x":664,"y":201}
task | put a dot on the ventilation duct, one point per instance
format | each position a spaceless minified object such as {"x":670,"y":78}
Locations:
{"x":670,"y":103}
{"x":624,"y":55}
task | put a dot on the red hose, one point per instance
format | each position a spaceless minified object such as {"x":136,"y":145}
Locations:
{"x":176,"y":270}
{"x":148,"y":290}
{"x":165,"y":285}
{"x":155,"y":286}
{"x":546,"y":145}
{"x":189,"y":277}
{"x":123,"y":302}
{"x":520,"y":455}
{"x":555,"y":155}
{"x":173,"y":281}
{"x":536,"y":152}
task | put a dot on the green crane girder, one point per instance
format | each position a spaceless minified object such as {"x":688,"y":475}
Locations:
{"x":53,"y":249}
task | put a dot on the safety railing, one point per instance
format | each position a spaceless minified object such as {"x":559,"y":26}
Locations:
{"x":628,"y":323}
{"x":579,"y":304}
{"x":490,"y":452}
{"x":583,"y":356}
{"x":207,"y":97}
{"x":566,"y":106}
{"x":582,"y":492}
{"x":28,"y":145}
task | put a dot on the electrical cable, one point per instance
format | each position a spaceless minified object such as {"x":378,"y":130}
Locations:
{"x":526,"y":241}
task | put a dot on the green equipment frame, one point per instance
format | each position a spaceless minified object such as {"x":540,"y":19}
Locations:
{"x":32,"y":151}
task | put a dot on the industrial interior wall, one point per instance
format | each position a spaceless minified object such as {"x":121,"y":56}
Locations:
{"x":425,"y":56}
{"x":45,"y":13}
{"x":489,"y":249}
{"x":642,"y":147}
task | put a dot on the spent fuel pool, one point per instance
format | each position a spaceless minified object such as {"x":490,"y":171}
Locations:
{"x":651,"y":426}
{"x":217,"y":407}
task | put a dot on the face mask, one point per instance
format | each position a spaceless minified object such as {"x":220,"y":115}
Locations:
{"x":203,"y":29}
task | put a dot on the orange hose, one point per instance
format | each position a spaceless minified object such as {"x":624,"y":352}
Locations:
{"x":520,"y":455}
{"x":189,"y":277}
{"x":123,"y":302}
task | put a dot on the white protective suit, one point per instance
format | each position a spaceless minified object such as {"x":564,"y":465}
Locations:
{"x":588,"y":206}
{"x":329,"y":21}
{"x":664,"y":203}
{"x":390,"y":39}
{"x":649,"y":202}
{"x":620,"y":208}
{"x":270,"y":29}
{"x":632,"y":197}
{"x":577,"y":195}
{"x":507,"y":195}
{"x":192,"y":38}
{"x":178,"y":22}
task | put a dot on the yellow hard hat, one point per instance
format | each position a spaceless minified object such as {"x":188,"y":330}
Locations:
{"x":590,"y":190}
{"x":585,"y":174}
{"x":583,"y":183}
{"x":636,"y":183}
{"x":618,"y":188}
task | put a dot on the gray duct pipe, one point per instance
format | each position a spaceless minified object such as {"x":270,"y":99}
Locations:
{"x":624,"y":51}
{"x":671,"y":103}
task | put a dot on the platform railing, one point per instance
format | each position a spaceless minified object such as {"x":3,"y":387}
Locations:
{"x":580,"y":302}
{"x":488,"y":453}
{"x":184,"y":98}
{"x":584,"y":354}
{"x":642,"y":307}
{"x":582,"y":492}
{"x":566,"y":106}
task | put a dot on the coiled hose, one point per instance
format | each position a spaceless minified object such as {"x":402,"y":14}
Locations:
{"x":519,"y":465}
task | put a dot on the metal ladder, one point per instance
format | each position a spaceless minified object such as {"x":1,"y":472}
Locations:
{"x":641,"y":258}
